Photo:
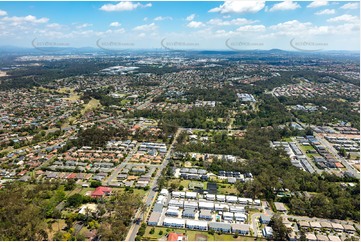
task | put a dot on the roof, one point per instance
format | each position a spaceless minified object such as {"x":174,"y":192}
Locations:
{"x":154,"y":217}
{"x":337,"y":226}
{"x":310,"y":236}
{"x":219,"y":225}
{"x":172,"y":236}
{"x":315,"y":225}
{"x":100,"y":191}
{"x":326,"y":225}
{"x":321,"y":237}
{"x":304,"y":224}
{"x":242,"y":227}
{"x":280,"y":206}
{"x":333,"y":238}
{"x":158,"y":207}
{"x":349,"y":227}
{"x":206,"y":213}
{"x":197,"y":223}
{"x":188,"y":211}
{"x":174,"y":220}
{"x":265,"y":217}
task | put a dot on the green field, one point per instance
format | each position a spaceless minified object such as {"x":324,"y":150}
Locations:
{"x":191,"y":235}
{"x":92,"y":104}
{"x":227,"y":189}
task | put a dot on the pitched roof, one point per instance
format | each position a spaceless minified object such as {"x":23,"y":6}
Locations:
{"x":100,"y":191}
{"x":173,"y":236}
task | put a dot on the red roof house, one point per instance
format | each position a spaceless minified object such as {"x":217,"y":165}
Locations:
{"x":101,"y":192}
{"x":175,"y":237}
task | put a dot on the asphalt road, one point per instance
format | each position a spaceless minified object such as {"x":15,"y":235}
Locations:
{"x":148,"y":199}
{"x":121,"y":166}
{"x":333,"y":151}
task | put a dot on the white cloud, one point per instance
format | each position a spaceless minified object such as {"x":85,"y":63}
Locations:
{"x":27,"y":19}
{"x":53,"y":26}
{"x":252,"y":28}
{"x":114,"y":24}
{"x":191,"y":17}
{"x":239,"y":7}
{"x":237,"y":21}
{"x":195,"y":24}
{"x":123,"y":6}
{"x":294,"y":28}
{"x":115,"y":31}
{"x":146,"y":27}
{"x":285,"y":5}
{"x":317,"y":3}
{"x":3,"y":13}
{"x":145,"y":19}
{"x":82,"y":26}
{"x":344,"y":18}
{"x":350,"y":6}
{"x":161,"y":18}
{"x":326,"y":12}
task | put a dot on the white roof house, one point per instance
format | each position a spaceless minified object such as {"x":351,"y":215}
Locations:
{"x":221,"y":207}
{"x":174,"y":222}
{"x":231,"y":199}
{"x":178,"y":194}
{"x":267,"y":232}
{"x":205,"y":214}
{"x":161,"y":199}
{"x":240,"y":228}
{"x":240,"y":217}
{"x":227,"y":216}
{"x":333,"y":238}
{"x":216,"y":226}
{"x":153,"y":219}
{"x":164,"y":192}
{"x":206,"y":205}
{"x":211,"y":197}
{"x":221,"y":198}
{"x":257,"y":202}
{"x":237,"y":209}
{"x":243,"y":200}
{"x":197,"y":224}
{"x":192,"y":195}
{"x":190,"y":204}
{"x":176,"y":203}
{"x":172,"y":212}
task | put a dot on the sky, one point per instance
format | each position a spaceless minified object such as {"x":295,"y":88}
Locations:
{"x":203,"y":25}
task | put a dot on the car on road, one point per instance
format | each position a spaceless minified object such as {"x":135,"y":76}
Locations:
{"x":137,"y":221}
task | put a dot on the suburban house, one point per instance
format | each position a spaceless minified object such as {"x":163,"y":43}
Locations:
{"x":242,"y":229}
{"x":100,"y":192}
{"x":222,"y":227}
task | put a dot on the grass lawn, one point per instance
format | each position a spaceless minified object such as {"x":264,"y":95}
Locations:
{"x":85,"y":190}
{"x":192,"y":235}
{"x":141,"y":192}
{"x":93,"y":103}
{"x":156,"y":233}
{"x":55,"y":227}
{"x":124,"y":101}
{"x":289,"y":139}
{"x":228,"y":189}
{"x":307,"y":147}
{"x":179,"y":182}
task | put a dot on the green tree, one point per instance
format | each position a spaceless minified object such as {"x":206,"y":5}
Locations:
{"x":280,"y":231}
{"x":75,"y":200}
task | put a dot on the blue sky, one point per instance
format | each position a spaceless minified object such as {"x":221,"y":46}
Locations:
{"x":332,"y":25}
